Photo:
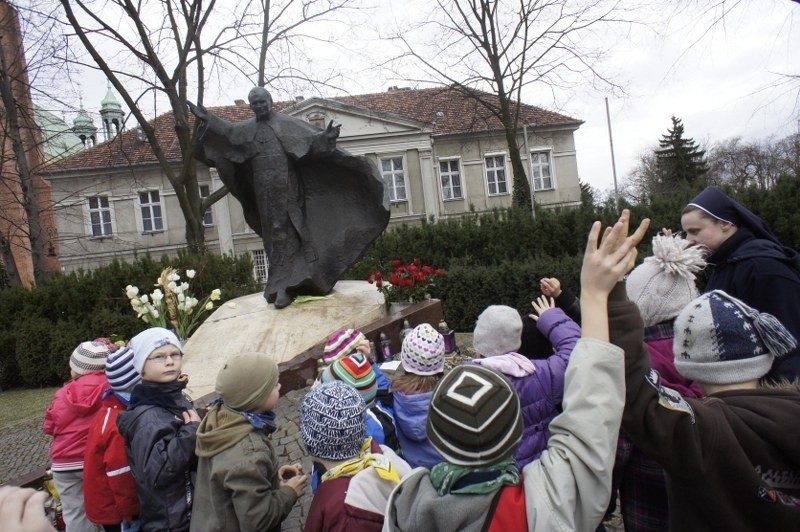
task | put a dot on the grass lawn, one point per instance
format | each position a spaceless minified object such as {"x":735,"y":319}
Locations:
{"x":19,"y":405}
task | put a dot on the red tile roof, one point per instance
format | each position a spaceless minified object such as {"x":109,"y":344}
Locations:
{"x":444,"y":109}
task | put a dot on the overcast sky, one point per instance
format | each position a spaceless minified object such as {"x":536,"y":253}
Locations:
{"x":723,"y":82}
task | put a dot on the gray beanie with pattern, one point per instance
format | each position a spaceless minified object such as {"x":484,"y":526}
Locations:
{"x":721,"y":340}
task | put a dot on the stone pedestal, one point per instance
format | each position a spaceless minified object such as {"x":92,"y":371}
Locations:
{"x":248,"y":323}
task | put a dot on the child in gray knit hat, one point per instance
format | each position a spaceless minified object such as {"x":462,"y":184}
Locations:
{"x":733,"y":458}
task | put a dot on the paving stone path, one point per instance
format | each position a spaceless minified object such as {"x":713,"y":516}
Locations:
{"x":24,"y":448}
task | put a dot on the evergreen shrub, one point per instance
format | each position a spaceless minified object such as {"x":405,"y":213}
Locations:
{"x":42,"y":326}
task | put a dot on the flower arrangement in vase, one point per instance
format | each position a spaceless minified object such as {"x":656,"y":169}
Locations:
{"x":171,"y":305}
{"x":407,"y":282}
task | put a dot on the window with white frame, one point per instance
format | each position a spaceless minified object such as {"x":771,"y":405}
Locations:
{"x":150,"y":205}
{"x":259,"y":265}
{"x":394,"y":177}
{"x":208,"y":217}
{"x":496,"y":180}
{"x":450,"y":179}
{"x":540,"y":170}
{"x":100,"y":216}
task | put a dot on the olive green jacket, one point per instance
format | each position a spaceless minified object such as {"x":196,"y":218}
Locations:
{"x":237,"y":477}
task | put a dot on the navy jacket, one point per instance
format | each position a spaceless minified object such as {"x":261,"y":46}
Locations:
{"x":766,"y":276}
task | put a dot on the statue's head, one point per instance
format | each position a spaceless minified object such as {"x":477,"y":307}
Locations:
{"x":260,"y":102}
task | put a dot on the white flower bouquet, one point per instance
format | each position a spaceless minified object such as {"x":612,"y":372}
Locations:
{"x":171,"y":305}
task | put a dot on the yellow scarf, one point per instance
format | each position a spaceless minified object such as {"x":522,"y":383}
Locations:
{"x":382,"y":465}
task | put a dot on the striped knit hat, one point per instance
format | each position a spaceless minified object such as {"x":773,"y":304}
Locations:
{"x":720,"y":340}
{"x":333,"y":421}
{"x":341,"y":343}
{"x":89,"y":357}
{"x":122,"y":376}
{"x":474,"y":417}
{"x":356,"y":371}
{"x":423,"y":351}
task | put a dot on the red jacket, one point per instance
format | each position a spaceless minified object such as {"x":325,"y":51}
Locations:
{"x":68,"y":416}
{"x":109,"y":491}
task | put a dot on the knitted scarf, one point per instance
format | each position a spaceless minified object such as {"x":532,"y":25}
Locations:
{"x":450,"y":478}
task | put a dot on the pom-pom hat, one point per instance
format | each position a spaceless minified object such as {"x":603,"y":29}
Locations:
{"x":341,"y":343}
{"x":333,"y":421}
{"x":721,"y":340}
{"x":474,"y":417}
{"x":356,"y":371}
{"x":665,"y":283}
{"x":422,"y":352}
{"x":89,"y":357}
{"x":498,"y":331}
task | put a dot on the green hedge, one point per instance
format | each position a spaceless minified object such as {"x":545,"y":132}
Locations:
{"x":42,"y":326}
{"x":492,"y":258}
{"x":498,"y":257}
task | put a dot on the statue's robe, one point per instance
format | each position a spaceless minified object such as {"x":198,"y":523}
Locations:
{"x":316,"y":207}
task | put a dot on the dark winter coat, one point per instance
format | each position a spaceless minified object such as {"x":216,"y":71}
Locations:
{"x":764,"y":275}
{"x":160,"y":448}
{"x":732,"y":459}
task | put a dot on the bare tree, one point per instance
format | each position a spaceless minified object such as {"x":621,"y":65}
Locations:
{"x":175,"y":48}
{"x":758,"y":163}
{"x":509,"y":47}
{"x":28,"y":239}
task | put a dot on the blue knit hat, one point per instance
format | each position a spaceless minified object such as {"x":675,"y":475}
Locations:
{"x":720,"y":340}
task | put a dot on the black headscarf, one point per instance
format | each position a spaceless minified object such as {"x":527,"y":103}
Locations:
{"x":716,"y":203}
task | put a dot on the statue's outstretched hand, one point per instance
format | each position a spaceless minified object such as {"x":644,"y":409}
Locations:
{"x":332,"y":132}
{"x":197,"y":110}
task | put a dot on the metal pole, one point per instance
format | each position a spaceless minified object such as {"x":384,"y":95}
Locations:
{"x":530,"y":170}
{"x":611,"y":144}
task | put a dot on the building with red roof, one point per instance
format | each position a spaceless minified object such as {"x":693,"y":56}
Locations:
{"x":440,"y":152}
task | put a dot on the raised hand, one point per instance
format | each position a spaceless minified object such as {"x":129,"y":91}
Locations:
{"x":540,"y":306}
{"x":550,"y":286}
{"x":604,"y":264}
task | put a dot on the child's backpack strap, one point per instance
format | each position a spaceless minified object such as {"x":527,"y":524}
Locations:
{"x":507,"y":513}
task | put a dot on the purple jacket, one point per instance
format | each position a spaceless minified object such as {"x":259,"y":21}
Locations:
{"x":540,"y":393}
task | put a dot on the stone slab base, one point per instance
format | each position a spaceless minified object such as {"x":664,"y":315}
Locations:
{"x":248,"y":323}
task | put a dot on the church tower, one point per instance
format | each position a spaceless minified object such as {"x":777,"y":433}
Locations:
{"x":84,"y":128}
{"x":111,"y":114}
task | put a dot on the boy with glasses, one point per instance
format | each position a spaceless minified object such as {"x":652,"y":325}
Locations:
{"x":160,"y":432}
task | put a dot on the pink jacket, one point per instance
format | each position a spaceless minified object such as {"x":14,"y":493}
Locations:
{"x":68,"y":417}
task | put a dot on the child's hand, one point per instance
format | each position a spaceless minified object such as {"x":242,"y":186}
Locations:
{"x":550,"y":286}
{"x":22,"y":510}
{"x":286,"y":472}
{"x":363,"y":348}
{"x":606,"y":263}
{"x":190,"y":415}
{"x":298,"y":483}
{"x":541,"y":305}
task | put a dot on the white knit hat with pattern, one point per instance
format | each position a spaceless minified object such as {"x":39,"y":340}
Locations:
{"x":422,"y":352}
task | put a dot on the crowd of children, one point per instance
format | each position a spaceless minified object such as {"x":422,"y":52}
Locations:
{"x":648,"y":392}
